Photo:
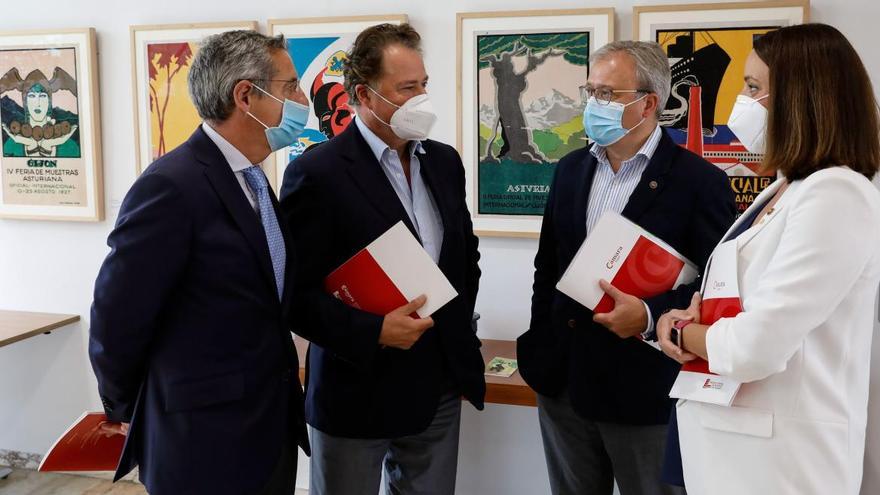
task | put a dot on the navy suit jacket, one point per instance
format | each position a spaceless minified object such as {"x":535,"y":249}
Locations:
{"x":680,"y":198}
{"x":189,"y":341}
{"x":337,"y":200}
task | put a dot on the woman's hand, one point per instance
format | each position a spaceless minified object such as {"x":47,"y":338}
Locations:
{"x":664,"y":329}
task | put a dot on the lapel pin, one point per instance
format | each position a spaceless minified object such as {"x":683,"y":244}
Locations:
{"x":653,"y":184}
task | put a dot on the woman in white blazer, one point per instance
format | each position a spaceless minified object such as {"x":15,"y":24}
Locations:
{"x":807,"y":257}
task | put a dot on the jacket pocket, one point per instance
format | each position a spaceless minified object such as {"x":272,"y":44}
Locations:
{"x":196,"y":394}
{"x":742,"y":420}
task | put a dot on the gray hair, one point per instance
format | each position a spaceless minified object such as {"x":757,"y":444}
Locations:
{"x":225,"y":59}
{"x":652,"y":66}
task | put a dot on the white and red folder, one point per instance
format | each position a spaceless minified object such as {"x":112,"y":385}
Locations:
{"x":391,"y":271}
{"x":721,"y":299}
{"x":84,"y":447}
{"x":628,"y":257}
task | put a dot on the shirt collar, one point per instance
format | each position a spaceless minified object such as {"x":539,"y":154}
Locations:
{"x":378,"y":146}
{"x":647,"y":150}
{"x":234,"y":157}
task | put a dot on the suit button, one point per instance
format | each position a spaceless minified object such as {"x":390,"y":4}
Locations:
{"x":572,"y":324}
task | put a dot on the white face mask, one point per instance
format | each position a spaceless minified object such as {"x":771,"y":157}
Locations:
{"x":413,"y":121}
{"x":748,"y":121}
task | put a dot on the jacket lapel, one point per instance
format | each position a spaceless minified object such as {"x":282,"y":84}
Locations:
{"x":765,"y":195}
{"x":433,"y":181}
{"x":370,"y":179}
{"x":228,"y":188}
{"x":583,"y":184}
{"x":653,"y":178}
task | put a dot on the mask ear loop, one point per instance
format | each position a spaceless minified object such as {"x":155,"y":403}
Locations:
{"x":386,"y":101}
{"x":643,"y":118}
{"x":270,"y":96}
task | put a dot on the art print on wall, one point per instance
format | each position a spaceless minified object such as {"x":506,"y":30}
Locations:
{"x":707,"y":46}
{"x":520,"y":108}
{"x":49,"y":115}
{"x":165,"y":116}
{"x":319,"y":48}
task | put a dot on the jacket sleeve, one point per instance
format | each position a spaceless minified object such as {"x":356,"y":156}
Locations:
{"x":148,"y":251}
{"x":831,"y":233}
{"x":546,"y":266}
{"x":351,"y":334}
{"x":472,"y":242}
{"x":714,"y":213}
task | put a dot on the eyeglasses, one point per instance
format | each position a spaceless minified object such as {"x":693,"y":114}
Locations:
{"x":605,"y":95}
{"x":290,"y":87}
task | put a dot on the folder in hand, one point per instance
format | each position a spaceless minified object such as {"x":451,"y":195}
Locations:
{"x":388,"y":273}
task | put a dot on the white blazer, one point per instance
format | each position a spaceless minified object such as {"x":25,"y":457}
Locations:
{"x":808,"y":278}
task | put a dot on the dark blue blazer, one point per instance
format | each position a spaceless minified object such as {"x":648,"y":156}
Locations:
{"x":189,"y":341}
{"x":680,"y":198}
{"x":338,"y":200}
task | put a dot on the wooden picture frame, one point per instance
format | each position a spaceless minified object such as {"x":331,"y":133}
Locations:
{"x":51,"y":161}
{"x":508,"y":177}
{"x":707,"y":45}
{"x":318,"y":46}
{"x":160,"y":58}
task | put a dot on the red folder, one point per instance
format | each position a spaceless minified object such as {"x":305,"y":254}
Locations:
{"x":391,"y":271}
{"x":84,"y":447}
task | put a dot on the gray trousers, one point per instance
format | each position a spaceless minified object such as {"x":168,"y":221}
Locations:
{"x":420,"y":464}
{"x":585,"y":457}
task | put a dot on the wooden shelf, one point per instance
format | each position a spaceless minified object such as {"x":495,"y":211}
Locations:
{"x":20,"y":325}
{"x":511,"y":391}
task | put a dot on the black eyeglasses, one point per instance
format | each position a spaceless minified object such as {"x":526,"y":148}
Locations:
{"x":605,"y":95}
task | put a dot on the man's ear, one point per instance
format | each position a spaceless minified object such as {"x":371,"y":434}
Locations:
{"x":652,"y":101}
{"x":363,"y":94}
{"x":242,"y":94}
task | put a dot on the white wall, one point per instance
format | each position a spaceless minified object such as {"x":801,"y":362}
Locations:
{"x":47,"y":381}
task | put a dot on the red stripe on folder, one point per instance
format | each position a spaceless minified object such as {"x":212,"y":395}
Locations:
{"x":712,"y":310}
{"x":361,"y":283}
{"x":647,"y":271}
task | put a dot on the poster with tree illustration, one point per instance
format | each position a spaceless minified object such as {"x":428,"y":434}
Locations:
{"x":50,"y":165}
{"x":162,"y":56}
{"x":521,"y":108}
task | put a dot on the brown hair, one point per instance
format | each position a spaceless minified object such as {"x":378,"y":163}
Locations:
{"x":822,"y":111}
{"x":364,"y":64}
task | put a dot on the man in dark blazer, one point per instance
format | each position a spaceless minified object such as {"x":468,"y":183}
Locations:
{"x":190,"y":328}
{"x":384,"y":390}
{"x":602,"y":392}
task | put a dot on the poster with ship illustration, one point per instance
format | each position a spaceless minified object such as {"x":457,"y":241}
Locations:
{"x":707,"y":47}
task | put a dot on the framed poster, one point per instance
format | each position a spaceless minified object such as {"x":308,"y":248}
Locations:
{"x":319,"y":46}
{"x":51,"y":131}
{"x":161,"y":56}
{"x":519,"y":108}
{"x":707,"y":46}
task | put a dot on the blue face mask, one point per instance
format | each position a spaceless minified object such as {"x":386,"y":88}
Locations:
{"x":293,"y":120}
{"x":604,"y":123}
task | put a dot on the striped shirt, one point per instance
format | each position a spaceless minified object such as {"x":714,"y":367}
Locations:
{"x":611,"y":191}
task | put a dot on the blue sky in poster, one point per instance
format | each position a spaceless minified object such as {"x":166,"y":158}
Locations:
{"x":304,"y":50}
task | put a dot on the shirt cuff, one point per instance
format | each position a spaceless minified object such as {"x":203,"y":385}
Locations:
{"x":649,"y":333}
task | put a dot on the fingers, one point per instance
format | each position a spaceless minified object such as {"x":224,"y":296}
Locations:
{"x":612,"y":291}
{"x":423,"y":324}
{"x":412,"y":306}
{"x":696,"y":299}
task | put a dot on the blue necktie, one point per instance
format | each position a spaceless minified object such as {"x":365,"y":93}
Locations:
{"x":258,"y":185}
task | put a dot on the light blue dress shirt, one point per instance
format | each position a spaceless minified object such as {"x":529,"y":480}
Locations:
{"x":415,"y":196}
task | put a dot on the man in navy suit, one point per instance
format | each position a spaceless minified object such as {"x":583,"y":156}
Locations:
{"x":384,"y":390}
{"x":190,"y":328}
{"x":603,"y":400}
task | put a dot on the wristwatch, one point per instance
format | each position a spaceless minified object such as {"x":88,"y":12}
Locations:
{"x":677,"y":334}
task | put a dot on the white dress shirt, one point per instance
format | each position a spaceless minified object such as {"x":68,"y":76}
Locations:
{"x":236,"y":160}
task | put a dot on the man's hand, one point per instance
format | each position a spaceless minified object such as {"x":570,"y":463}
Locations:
{"x":111,"y":429}
{"x":401,"y":330}
{"x":664,"y":329}
{"x":628,"y":318}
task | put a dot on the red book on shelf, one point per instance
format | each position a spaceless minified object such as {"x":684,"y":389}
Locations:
{"x":84,"y":447}
{"x":388,"y":273}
